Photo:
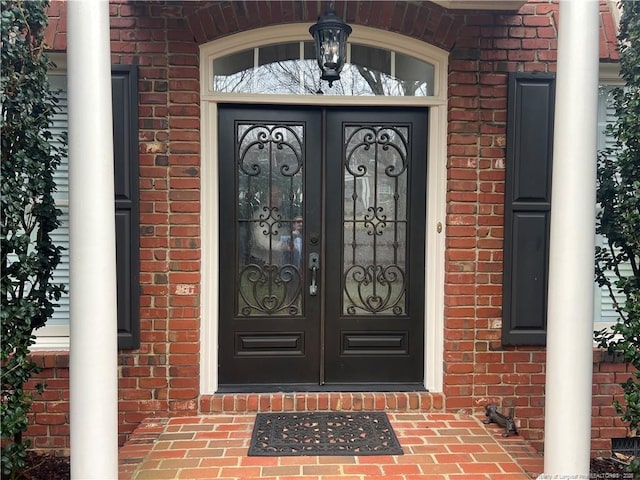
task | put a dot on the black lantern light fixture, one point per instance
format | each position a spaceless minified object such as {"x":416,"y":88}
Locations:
{"x":330,"y":34}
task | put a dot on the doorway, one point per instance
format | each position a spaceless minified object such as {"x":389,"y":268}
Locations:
{"x":322,"y":240}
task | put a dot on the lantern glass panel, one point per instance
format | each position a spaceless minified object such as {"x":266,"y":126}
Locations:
{"x":331,"y":48}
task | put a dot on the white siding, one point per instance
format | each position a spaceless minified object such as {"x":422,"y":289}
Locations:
{"x":61,"y":235}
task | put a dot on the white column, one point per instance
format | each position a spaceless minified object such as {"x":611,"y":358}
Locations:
{"x":93,"y":343}
{"x":567,"y":439}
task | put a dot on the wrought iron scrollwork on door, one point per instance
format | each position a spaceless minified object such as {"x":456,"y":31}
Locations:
{"x":375,"y":167}
{"x":375,"y":289}
{"x":270,"y":163}
{"x":269,"y":289}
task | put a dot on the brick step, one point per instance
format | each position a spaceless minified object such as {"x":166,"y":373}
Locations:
{"x":318,"y":401}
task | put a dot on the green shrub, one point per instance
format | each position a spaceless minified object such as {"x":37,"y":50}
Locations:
{"x":619,"y":219}
{"x":29,"y":214}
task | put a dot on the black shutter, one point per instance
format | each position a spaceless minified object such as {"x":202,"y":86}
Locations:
{"x":527,"y":208}
{"x":124,"y":82}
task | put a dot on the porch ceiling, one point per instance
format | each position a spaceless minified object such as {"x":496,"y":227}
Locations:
{"x":481,"y":4}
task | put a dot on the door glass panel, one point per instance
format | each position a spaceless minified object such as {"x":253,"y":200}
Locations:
{"x":375,"y":173}
{"x":269,"y":219}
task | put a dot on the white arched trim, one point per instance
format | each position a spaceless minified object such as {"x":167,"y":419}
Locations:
{"x":436,"y":181}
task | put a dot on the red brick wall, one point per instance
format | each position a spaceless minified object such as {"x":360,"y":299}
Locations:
{"x":162,"y":377}
{"x":49,"y":415}
{"x":608,"y":374}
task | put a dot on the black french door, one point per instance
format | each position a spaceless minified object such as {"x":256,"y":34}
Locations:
{"x":322,"y":221}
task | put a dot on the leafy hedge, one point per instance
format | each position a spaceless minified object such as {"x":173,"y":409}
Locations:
{"x":29,"y":213}
{"x":619,"y":219}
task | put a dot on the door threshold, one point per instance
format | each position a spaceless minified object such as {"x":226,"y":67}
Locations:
{"x":297,"y":400}
{"x":327,"y":388}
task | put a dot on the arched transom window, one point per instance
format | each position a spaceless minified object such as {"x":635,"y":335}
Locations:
{"x":290,"y":68}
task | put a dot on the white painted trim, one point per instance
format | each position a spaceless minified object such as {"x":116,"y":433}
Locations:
{"x":609,"y":74}
{"x":435,"y":250}
{"x":93,"y":365}
{"x":324,"y":100}
{"x":481,"y":4}
{"x":569,"y":363}
{"x":60,"y":61}
{"x":209,"y":284}
{"x":51,"y":337}
{"x":436,"y":180}
{"x":615,"y":7}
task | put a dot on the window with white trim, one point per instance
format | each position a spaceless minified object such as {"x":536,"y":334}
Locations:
{"x":604,"y":312}
{"x":55,"y":333}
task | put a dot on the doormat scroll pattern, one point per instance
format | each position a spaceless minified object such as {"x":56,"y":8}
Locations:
{"x":323,"y":433}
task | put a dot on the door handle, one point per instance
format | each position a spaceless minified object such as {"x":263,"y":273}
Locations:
{"x":314,"y":266}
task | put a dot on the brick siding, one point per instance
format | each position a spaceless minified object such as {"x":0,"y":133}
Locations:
{"x":162,"y":377}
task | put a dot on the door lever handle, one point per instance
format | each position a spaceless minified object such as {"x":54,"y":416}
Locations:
{"x":314,"y":266}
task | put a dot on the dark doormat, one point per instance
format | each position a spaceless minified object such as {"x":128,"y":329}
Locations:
{"x":323,"y":433}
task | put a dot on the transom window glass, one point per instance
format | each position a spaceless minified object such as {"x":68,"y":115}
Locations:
{"x":291,"y":68}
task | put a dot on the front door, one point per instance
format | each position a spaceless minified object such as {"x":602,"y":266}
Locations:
{"x":322,"y":223}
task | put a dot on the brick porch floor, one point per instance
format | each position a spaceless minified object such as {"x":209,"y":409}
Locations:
{"x":436,"y":446}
